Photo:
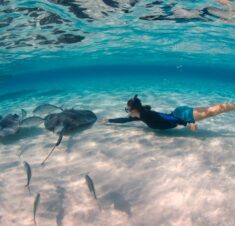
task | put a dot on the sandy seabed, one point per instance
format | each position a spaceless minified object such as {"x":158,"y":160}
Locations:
{"x":142,"y":177}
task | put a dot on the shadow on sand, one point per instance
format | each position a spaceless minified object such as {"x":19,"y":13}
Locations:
{"x":118,"y":202}
{"x":201,"y":133}
{"x":23,"y":133}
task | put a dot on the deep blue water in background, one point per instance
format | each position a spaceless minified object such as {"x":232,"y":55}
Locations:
{"x":117,"y":75}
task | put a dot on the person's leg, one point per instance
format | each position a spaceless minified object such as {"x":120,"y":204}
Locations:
{"x":202,"y":113}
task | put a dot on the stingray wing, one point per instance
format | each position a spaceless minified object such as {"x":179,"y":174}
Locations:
{"x":8,"y":131}
{"x":9,"y":125}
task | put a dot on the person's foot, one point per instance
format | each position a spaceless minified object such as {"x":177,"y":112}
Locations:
{"x":192,"y":126}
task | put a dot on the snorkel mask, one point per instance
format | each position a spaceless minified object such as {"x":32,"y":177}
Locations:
{"x":133,"y":103}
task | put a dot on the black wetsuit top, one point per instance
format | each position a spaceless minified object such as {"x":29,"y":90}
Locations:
{"x":154,"y":120}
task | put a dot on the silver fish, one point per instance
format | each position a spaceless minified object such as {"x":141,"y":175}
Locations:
{"x":32,"y":121}
{"x":35,"y":207}
{"x":45,"y":109}
{"x":90,"y":185}
{"x":29,"y":174}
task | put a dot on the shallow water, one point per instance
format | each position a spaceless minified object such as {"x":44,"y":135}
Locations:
{"x":141,"y":176}
{"x":69,"y":33}
{"x":96,"y":55}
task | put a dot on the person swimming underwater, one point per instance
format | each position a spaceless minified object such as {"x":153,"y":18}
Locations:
{"x":182,"y":115}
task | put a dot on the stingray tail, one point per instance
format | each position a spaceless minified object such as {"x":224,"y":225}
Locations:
{"x":27,"y":186}
{"x":23,"y":114}
{"x":57,"y":144}
{"x":98,"y":204}
{"x":61,"y":107}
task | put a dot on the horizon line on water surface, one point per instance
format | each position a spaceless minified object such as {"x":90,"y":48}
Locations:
{"x":131,"y":69}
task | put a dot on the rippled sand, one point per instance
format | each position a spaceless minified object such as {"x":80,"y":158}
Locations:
{"x":142,"y":177}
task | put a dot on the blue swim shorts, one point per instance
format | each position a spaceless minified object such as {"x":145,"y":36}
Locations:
{"x":184,"y":113}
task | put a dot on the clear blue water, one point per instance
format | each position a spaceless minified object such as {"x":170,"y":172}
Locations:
{"x":96,"y":55}
{"x":49,"y":34}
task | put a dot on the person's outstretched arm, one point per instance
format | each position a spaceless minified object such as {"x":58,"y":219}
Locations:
{"x":122,"y":120}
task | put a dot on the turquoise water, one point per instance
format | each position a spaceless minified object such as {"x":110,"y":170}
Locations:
{"x":96,"y":55}
{"x":71,"y":33}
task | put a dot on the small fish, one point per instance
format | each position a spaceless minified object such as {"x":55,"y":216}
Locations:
{"x":90,"y":185}
{"x":29,"y":174}
{"x":35,"y":207}
{"x":32,"y":121}
{"x":46,"y":109}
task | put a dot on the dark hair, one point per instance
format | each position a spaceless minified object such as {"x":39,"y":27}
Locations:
{"x":135,"y":104}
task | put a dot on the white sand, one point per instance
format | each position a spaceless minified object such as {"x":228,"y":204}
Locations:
{"x":142,"y":177}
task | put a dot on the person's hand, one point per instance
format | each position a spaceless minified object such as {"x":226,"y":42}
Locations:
{"x":104,"y":121}
{"x":192,"y":126}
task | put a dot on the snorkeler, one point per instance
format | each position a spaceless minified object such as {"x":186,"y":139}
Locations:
{"x":183,"y":115}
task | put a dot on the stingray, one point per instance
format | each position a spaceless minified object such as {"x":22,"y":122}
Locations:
{"x":66,"y":122}
{"x":10,"y":124}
